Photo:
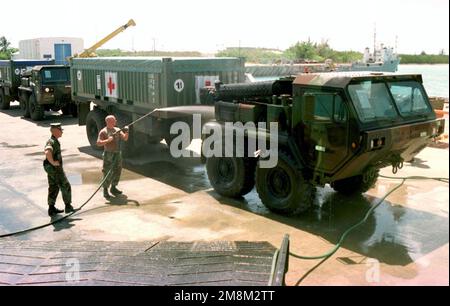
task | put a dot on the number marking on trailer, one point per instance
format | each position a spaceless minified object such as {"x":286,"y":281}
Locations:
{"x":179,"y":85}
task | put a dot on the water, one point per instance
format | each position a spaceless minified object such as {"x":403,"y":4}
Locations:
{"x":435,"y":77}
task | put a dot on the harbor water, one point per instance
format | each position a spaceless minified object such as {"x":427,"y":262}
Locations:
{"x":435,"y":78}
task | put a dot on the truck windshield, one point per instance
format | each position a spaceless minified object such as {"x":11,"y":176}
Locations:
{"x":409,"y":97}
{"x":51,"y":76}
{"x":372,"y":101}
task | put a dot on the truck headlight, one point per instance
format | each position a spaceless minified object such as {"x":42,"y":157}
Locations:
{"x":47,"y":89}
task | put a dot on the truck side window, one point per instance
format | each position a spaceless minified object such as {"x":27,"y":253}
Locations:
{"x":323,"y":110}
{"x":339,"y":110}
{"x":329,"y":106}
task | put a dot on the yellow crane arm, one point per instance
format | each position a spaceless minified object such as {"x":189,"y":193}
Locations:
{"x":90,"y":51}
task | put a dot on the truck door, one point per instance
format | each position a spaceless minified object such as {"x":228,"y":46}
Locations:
{"x":325,"y":137}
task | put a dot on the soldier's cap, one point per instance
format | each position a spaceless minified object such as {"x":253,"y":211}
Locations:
{"x":56,"y":126}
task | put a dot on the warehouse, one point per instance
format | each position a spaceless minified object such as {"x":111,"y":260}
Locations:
{"x":57,"y":48}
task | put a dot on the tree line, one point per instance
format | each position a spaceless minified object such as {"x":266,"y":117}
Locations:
{"x":308,"y":51}
{"x":300,"y":52}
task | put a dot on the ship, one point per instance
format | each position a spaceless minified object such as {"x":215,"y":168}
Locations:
{"x":382,"y":59}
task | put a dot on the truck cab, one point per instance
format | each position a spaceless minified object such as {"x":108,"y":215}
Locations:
{"x":45,"y":88}
{"x":333,"y":128}
{"x":11,"y":72}
{"x":349,"y":123}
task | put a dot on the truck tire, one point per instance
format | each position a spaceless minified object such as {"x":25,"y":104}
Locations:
{"x":70,"y":109}
{"x":66,"y":110}
{"x":283,"y":189}
{"x":4,"y":100}
{"x":73,"y":110}
{"x":95,"y":121}
{"x":355,"y":184}
{"x":231,"y":177}
{"x":24,"y":106}
{"x":36,"y":110}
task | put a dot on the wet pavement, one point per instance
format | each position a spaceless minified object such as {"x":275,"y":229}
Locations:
{"x":405,"y":241}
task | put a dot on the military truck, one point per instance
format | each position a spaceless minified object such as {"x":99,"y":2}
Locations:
{"x":45,"y":88}
{"x":333,"y":128}
{"x":131,"y":87}
{"x":10,"y":78}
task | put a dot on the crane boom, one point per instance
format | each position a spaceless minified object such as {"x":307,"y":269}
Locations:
{"x":90,"y":51}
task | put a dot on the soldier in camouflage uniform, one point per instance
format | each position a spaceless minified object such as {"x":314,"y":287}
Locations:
{"x":109,"y":138}
{"x":57,"y":179}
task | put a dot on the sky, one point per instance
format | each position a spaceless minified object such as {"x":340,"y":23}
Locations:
{"x":208,"y":25}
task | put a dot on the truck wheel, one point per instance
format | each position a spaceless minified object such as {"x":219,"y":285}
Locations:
{"x":95,"y":121}
{"x":283,"y":189}
{"x":24,"y":105}
{"x":36,"y":110}
{"x":231,"y":176}
{"x":73,"y":110}
{"x":4,"y":100}
{"x":70,"y":109}
{"x":355,"y":184}
{"x":66,"y":110}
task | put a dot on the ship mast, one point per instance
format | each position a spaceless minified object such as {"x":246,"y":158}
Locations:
{"x":396,"y":44}
{"x":374,"y":40}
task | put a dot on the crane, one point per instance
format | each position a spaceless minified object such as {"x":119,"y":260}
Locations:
{"x":90,"y":52}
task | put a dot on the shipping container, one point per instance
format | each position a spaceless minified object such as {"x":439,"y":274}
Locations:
{"x":130,"y":87}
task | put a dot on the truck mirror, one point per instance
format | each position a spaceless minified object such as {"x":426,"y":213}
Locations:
{"x":309,"y":106}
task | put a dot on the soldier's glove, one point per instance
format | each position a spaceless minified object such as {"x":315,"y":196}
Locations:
{"x":125,"y":129}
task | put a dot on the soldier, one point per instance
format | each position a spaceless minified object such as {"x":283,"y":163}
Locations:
{"x":109,"y":138}
{"x":53,"y":165}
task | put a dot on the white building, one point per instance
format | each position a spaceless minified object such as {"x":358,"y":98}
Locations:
{"x":57,"y":48}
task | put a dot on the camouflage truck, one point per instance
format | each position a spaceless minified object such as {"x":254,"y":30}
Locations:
{"x":45,"y":88}
{"x":333,"y":128}
{"x":10,"y":78}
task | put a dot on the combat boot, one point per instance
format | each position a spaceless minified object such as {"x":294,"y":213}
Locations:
{"x":115,"y":191}
{"x":69,"y":208}
{"x":106,"y":194}
{"x":53,"y":211}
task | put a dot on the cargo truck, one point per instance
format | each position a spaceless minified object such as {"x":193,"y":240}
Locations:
{"x":10,"y":78}
{"x":333,"y":128}
{"x":131,"y":87}
{"x":46,"y":88}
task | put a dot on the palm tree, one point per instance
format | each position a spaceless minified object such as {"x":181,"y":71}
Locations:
{"x":4,"y":44}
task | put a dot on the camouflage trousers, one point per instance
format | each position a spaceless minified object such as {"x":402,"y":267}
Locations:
{"x":57,"y":180}
{"x":112,"y":161}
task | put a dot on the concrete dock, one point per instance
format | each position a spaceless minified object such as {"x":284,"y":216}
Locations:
{"x":167,"y":200}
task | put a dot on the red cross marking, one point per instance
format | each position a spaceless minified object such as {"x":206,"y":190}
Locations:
{"x":111,"y":86}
